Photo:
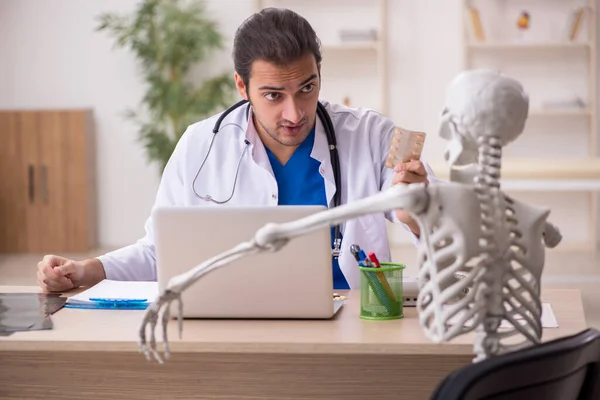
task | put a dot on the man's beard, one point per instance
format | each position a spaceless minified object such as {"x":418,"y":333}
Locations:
{"x":295,"y":141}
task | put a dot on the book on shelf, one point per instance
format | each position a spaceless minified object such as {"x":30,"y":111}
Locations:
{"x":474,"y":25}
{"x":575,"y":23}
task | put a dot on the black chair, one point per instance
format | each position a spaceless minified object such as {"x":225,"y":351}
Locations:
{"x":564,"y":369}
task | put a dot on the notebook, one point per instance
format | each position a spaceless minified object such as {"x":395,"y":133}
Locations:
{"x":108,"y":294}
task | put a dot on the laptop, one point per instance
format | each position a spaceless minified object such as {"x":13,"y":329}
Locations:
{"x":293,"y":283}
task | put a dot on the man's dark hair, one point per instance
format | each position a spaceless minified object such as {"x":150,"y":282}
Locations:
{"x":275,"y":35}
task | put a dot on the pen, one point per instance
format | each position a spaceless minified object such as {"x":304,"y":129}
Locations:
{"x":374,"y":259}
{"x":364,"y":259}
{"x":109,"y":300}
{"x":382,"y":277}
{"x":354,"y":249}
{"x":109,"y":305}
{"x":360,"y":256}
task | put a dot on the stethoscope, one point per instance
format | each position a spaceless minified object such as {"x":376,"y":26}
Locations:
{"x":335,"y":163}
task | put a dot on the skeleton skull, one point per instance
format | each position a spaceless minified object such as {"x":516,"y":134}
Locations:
{"x":481,"y":102}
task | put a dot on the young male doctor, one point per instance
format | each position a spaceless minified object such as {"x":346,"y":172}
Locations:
{"x":273,"y":152}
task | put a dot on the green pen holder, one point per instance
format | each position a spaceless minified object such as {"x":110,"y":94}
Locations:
{"x":381,"y":294}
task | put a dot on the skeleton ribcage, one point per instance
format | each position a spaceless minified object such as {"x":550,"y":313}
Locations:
{"x":445,"y":302}
{"x":520,"y":293}
{"x":452,"y":283}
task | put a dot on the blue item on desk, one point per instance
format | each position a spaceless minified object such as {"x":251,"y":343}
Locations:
{"x":111,"y":305}
{"x":115,"y":295}
{"x":117,"y":300}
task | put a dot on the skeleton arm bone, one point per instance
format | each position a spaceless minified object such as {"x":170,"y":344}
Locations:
{"x":412,"y":198}
{"x":272,"y":237}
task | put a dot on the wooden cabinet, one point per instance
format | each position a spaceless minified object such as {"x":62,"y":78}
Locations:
{"x":47,"y":181}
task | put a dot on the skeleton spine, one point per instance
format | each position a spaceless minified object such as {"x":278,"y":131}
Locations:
{"x":487,"y":183}
{"x":486,"y":186}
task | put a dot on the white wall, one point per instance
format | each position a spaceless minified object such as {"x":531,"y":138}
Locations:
{"x":50,"y":57}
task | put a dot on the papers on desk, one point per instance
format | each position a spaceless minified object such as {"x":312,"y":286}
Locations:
{"x":120,"y":295}
{"x":548,"y":319}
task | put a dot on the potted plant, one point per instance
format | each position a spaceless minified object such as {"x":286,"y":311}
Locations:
{"x":169,"y":38}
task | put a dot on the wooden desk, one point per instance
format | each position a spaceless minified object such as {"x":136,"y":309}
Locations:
{"x":92,"y":354}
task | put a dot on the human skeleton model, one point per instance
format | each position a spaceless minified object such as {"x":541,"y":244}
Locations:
{"x":481,"y":253}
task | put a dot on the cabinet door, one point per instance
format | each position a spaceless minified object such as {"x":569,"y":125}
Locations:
{"x":65,"y":166}
{"x":16,"y":185}
{"x":29,"y":133}
{"x":80,"y":193}
{"x":52,"y":164}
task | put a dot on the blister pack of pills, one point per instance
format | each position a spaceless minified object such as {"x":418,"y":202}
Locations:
{"x":406,"y":145}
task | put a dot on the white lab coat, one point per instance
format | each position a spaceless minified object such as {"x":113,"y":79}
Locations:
{"x":363,"y":138}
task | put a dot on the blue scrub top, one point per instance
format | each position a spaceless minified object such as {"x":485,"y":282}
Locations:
{"x":300,"y":183}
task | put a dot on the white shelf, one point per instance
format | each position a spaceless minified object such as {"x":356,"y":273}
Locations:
{"x":573,"y":185}
{"x":351,"y":46}
{"x":560,"y":112}
{"x":528,"y":46}
{"x":545,"y":171}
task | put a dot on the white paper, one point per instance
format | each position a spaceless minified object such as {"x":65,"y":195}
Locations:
{"x":113,"y":290}
{"x":548,"y":319}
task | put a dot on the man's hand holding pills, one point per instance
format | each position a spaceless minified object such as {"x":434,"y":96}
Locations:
{"x":409,"y":172}
{"x":412,"y":171}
